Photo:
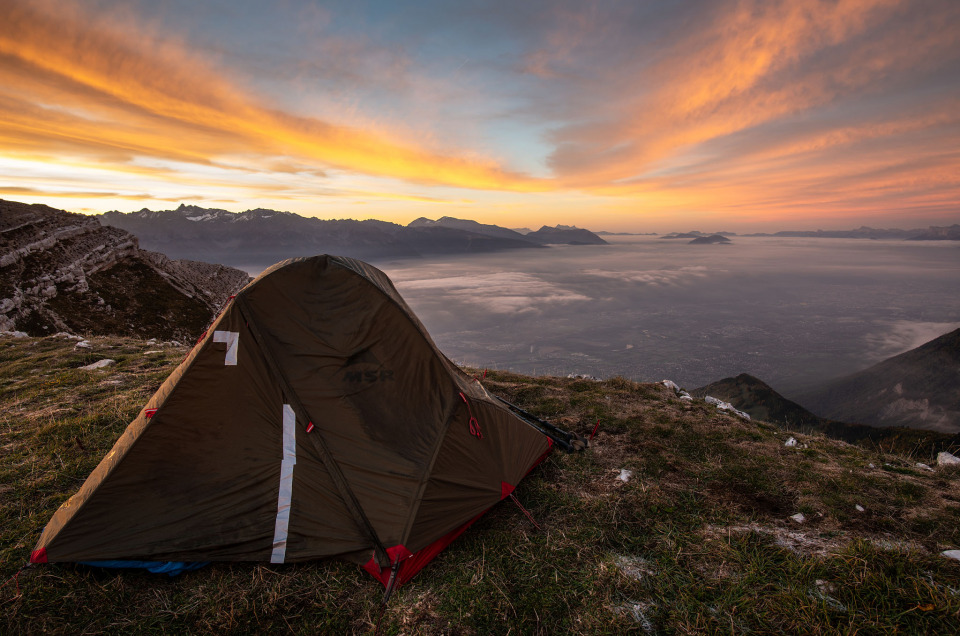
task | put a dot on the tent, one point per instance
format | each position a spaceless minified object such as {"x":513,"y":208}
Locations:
{"x":316,"y":418}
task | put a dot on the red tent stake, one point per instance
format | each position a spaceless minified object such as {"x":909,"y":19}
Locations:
{"x":595,"y":428}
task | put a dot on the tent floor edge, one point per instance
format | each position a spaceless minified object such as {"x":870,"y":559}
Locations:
{"x":419,"y":559}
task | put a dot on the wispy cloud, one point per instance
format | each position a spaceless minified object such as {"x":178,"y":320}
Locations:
{"x":654,"y":277}
{"x":80,"y":194}
{"x":762,"y":104}
{"x":501,"y":292}
{"x":903,"y":335}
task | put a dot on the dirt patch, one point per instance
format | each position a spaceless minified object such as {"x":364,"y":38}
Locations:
{"x":820,"y":543}
{"x":797,"y":541}
{"x":634,"y":567}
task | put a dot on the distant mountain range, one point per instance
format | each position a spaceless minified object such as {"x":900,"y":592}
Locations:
{"x":65,"y":272}
{"x":932,"y":233}
{"x":604,"y":233}
{"x":919,"y":389}
{"x":546,"y":235}
{"x":266,"y":236}
{"x":695,"y":235}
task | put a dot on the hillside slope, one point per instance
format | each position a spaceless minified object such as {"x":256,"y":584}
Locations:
{"x":916,"y":389}
{"x":762,"y":402}
{"x":65,"y":272}
{"x":696,"y":537}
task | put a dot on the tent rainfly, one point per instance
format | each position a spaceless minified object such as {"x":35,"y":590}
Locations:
{"x":316,"y":418}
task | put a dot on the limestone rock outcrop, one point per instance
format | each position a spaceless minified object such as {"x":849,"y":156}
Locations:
{"x":65,"y":272}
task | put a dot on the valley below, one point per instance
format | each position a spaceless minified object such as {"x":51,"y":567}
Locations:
{"x":793,"y":311}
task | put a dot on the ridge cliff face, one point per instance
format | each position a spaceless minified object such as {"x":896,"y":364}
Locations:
{"x":65,"y":272}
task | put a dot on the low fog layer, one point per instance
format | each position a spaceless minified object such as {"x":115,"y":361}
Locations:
{"x":793,"y":312}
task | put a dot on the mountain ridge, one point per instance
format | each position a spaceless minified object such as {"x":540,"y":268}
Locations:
{"x":468,"y":226}
{"x":266,"y":236}
{"x":932,"y":233}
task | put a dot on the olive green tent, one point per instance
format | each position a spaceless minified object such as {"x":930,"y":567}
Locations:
{"x":316,"y":418}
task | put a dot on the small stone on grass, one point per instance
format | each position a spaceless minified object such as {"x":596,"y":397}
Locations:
{"x":99,"y":364}
{"x":947,"y":459}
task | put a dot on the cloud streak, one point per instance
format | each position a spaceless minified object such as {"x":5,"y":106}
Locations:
{"x":654,"y":277}
{"x":761,"y":104}
{"x":500,"y":292}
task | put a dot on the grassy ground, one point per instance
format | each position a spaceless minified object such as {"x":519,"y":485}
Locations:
{"x":698,"y":540}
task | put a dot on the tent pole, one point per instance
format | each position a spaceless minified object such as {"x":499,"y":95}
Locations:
{"x":568,"y":441}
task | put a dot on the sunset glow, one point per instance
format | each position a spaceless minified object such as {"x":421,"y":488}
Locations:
{"x":730,"y":115}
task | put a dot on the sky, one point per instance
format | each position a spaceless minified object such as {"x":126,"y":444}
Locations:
{"x":622,"y":116}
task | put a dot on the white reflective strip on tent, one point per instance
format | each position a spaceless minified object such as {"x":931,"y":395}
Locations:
{"x":286,"y":485}
{"x":232,"y":340}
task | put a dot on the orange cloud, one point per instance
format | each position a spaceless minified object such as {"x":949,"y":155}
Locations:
{"x":26,"y":191}
{"x":745,"y":116}
{"x":114,"y":91}
{"x":732,"y":75}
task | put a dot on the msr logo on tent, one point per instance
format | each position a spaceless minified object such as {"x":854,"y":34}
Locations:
{"x":363,"y":368}
{"x":368,"y":376}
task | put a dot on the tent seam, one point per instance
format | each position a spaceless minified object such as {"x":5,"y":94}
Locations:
{"x":427,"y":472}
